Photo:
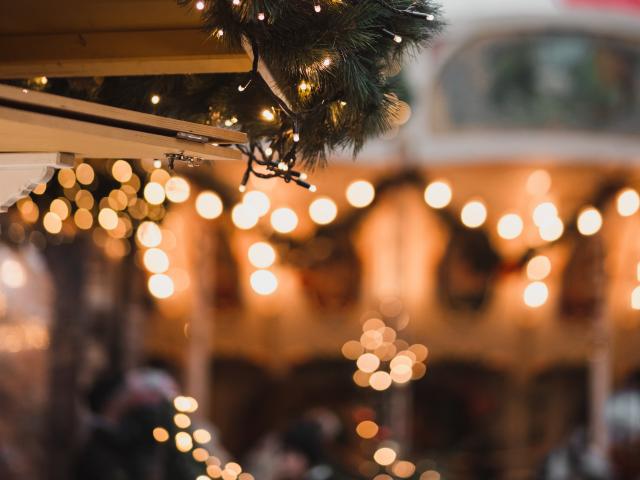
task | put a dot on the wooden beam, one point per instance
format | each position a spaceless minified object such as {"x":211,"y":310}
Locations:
{"x":29,"y":99}
{"x":23,"y":131}
{"x":163,"y":52}
{"x":108,"y":37}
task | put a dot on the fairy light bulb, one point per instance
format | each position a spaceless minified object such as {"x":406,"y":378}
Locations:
{"x":326,"y":62}
{"x":317,"y":8}
{"x":236,"y":2}
{"x":155,"y":99}
{"x":430,"y":17}
{"x":267,"y":115}
{"x":589,"y":221}
{"x":200,"y":5}
{"x":296,"y":137}
{"x":397,"y":38}
{"x":261,"y":16}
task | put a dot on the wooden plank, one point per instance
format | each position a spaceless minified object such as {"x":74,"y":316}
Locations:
{"x":108,"y":37}
{"x":22,"y":131}
{"x":27,"y":17}
{"x":162,"y":52}
{"x":65,"y":104}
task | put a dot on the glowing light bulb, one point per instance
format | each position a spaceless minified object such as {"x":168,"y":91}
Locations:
{"x":160,"y":435}
{"x":108,"y":219}
{"x":510,"y":226}
{"x":552,"y":230}
{"x":628,"y":202}
{"x":326,"y":62}
{"x":544,"y":213}
{"x":474,"y":214}
{"x":380,"y":381}
{"x":536,"y":294}
{"x":257,"y":201}
{"x":397,"y":38}
{"x":323,"y":211}
{"x":156,"y":260}
{"x":589,"y":221}
{"x":284,"y":220}
{"x":154,"y":193}
{"x":177,"y":190}
{"x":264,"y":282}
{"x":539,"y":267}
{"x":367,"y":429}
{"x":244,"y":217}
{"x":155,"y":99}
{"x":200,"y":5}
{"x":121,"y":171}
{"x":317,"y":8}
{"x":360,"y":193}
{"x":296,"y":137}
{"x":149,"y":234}
{"x":384,"y":456}
{"x":368,"y":362}
{"x":261,"y":255}
{"x":268,"y":115}
{"x":236,"y":2}
{"x":438,"y":194}
{"x":161,"y":286}
{"x":209,"y":205}
{"x":261,"y":16}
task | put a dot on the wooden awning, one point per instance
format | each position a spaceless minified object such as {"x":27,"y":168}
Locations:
{"x":67,"y":38}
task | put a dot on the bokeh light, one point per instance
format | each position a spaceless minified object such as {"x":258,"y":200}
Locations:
{"x":438,"y":194}
{"x":121,"y":171}
{"x":380,"y":381}
{"x":257,"y":201}
{"x":367,"y":429}
{"x":628,"y":202}
{"x":474,"y":214}
{"x":539,"y":267}
{"x":177,"y":189}
{"x":384,"y":456}
{"x":161,"y":286}
{"x":360,"y":193}
{"x":589,"y":221}
{"x":264,"y":282}
{"x":209,"y":205}
{"x":368,"y":362}
{"x":244,"y":217}
{"x":156,"y":260}
{"x":323,"y":211}
{"x":510,"y":226}
{"x":538,"y":183}
{"x":536,"y":294}
{"x":261,"y":255}
{"x":149,"y":234}
{"x":154,"y":193}
{"x":284,"y":220}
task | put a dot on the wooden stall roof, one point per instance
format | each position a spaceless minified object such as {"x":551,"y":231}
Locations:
{"x":62,"y":38}
{"x":40,"y":122}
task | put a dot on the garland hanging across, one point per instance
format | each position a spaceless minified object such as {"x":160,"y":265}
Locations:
{"x":334,"y":63}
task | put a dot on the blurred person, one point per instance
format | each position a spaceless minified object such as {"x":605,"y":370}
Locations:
{"x":301,"y":452}
{"x":120,"y":444}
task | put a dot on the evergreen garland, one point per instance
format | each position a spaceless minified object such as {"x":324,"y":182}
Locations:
{"x":335,"y":63}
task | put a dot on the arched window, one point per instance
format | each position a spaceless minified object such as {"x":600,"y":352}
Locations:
{"x":552,"y":80}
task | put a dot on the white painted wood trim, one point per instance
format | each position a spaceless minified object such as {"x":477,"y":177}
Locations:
{"x":20,"y":173}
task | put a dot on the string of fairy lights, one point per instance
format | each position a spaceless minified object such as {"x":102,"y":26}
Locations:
{"x":197,"y":442}
{"x":277,"y":157}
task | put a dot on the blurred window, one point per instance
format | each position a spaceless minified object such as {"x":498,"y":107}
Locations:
{"x":551,"y":80}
